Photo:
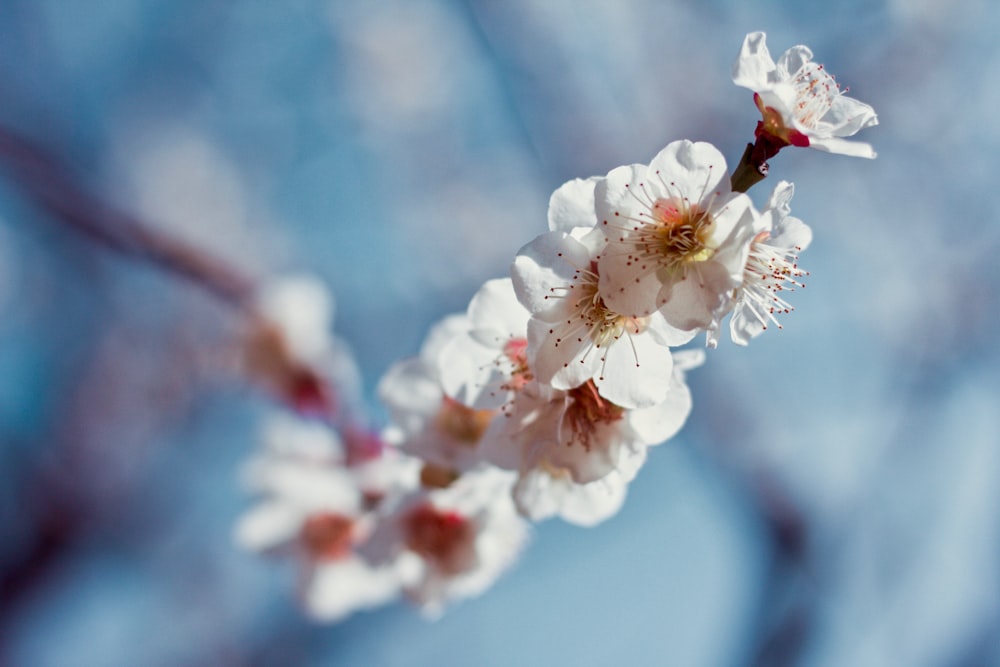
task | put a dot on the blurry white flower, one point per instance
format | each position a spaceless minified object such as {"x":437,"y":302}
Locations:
{"x":452,"y":543}
{"x":318,"y":514}
{"x":545,"y":491}
{"x":677,"y":236}
{"x":289,"y":340}
{"x":800,"y":101}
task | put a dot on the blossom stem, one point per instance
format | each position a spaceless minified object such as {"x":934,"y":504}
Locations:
{"x":749,"y":172}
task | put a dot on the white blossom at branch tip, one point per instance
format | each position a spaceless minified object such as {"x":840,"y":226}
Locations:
{"x":800,"y":102}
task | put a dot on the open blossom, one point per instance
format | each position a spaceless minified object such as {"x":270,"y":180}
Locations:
{"x":573,"y":336}
{"x":427,"y":423}
{"x":288,"y":345}
{"x":545,"y":491}
{"x":484,"y":367}
{"x":317,"y":514}
{"x":771,"y":269}
{"x":677,"y":236}
{"x":556,"y":439}
{"x":800,"y":102}
{"x":451,"y":543}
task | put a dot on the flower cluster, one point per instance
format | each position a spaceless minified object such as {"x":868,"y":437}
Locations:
{"x":544,"y":397}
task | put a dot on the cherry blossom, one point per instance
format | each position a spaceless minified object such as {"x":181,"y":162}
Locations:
{"x":427,"y":423}
{"x":545,"y":491}
{"x":555,"y":439}
{"x":574,"y":337}
{"x":771,"y":269}
{"x":451,"y":543}
{"x":317,"y":514}
{"x":677,"y":236}
{"x":484,"y":367}
{"x":800,"y":102}
{"x":288,"y":342}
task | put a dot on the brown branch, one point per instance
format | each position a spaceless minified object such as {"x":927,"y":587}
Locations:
{"x":52,"y":187}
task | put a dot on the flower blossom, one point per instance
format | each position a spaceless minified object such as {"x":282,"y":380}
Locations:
{"x":575,"y":451}
{"x":800,"y":102}
{"x":677,"y":236}
{"x":451,"y":543}
{"x":771,"y":268}
{"x":288,"y":345}
{"x":318,"y":514}
{"x":427,"y":423}
{"x":573,"y":336}
{"x":484,"y":367}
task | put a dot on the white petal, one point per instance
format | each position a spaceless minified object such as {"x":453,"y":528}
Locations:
{"x":586,"y":463}
{"x":695,"y":170}
{"x":335,"y":590}
{"x":442,"y":332}
{"x":557,"y":357}
{"x":409,"y":387}
{"x":792,"y":60}
{"x":843,"y":147}
{"x":754,"y":63}
{"x":543,"y":270}
{"x":495,"y":314}
{"x":624,"y":288}
{"x":661,"y":422}
{"x":473,"y":374}
{"x":636,"y":372}
{"x":692,"y":303}
{"x":268,"y":525}
{"x":572,"y":205}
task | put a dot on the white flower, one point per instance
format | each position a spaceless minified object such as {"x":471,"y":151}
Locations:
{"x":771,"y":268}
{"x":579,"y":438}
{"x":484,"y":367}
{"x":677,"y":236}
{"x":572,"y":335}
{"x":288,"y":344}
{"x":317,"y":514}
{"x":544,"y":492}
{"x":424,"y":421}
{"x":452,"y":543}
{"x":800,"y":101}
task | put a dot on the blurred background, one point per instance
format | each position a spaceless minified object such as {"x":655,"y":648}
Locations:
{"x":834,"y":497}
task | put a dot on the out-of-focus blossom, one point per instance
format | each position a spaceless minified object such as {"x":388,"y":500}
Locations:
{"x":318,"y":514}
{"x":452,"y":543}
{"x":800,"y":102}
{"x":678,"y":237}
{"x":288,"y":342}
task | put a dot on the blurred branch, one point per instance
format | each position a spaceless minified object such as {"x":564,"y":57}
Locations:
{"x":47,"y":181}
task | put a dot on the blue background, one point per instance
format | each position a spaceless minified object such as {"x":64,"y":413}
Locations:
{"x":832,"y":500}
